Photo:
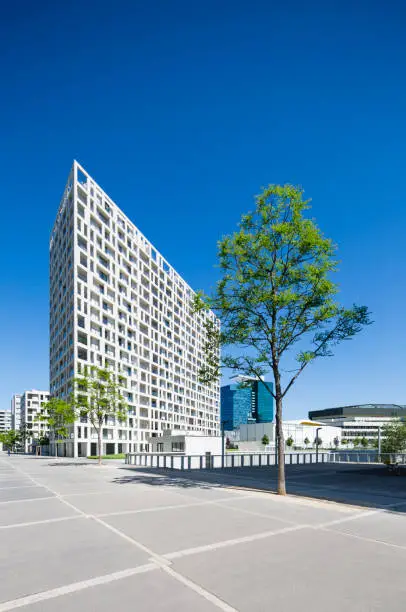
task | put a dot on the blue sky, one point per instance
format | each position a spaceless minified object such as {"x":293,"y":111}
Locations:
{"x":182,"y":111}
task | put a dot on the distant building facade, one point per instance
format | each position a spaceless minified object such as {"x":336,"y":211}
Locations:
{"x":16,"y":411}
{"x":360,"y":420}
{"x":251,"y":403}
{"x":5,"y":420}
{"x":32,"y":406}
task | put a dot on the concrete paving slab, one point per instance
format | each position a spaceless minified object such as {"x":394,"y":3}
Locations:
{"x":121,"y":499}
{"x":295,"y":510}
{"x":386,"y":527}
{"x":23,"y":493}
{"x":306,"y":569}
{"x":35,"y":510}
{"x":153,"y":591}
{"x":42,"y":557}
{"x":181,"y":528}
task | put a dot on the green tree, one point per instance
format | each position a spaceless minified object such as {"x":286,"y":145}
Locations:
{"x":394,"y":438}
{"x":289,"y":442}
{"x":25,"y":434}
{"x":275,"y":292}
{"x":306,"y":442}
{"x":364,"y":442}
{"x":58,"y":415}
{"x":318,"y":441}
{"x":356,"y":442}
{"x":97,"y":396}
{"x":344,"y":441}
{"x":265,"y":440}
{"x":10,"y":438}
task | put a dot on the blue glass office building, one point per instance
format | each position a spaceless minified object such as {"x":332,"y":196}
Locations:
{"x":248,"y":404}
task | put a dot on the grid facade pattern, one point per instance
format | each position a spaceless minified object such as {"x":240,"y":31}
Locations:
{"x":32,"y":406}
{"x":16,"y":411}
{"x":115,"y":302}
{"x":5,"y":420}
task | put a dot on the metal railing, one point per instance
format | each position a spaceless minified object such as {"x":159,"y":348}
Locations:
{"x":177,"y":461}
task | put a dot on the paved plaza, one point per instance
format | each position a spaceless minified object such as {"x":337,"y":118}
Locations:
{"x":76,"y":536}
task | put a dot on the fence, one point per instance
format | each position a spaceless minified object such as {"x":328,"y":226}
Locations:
{"x":175,"y":461}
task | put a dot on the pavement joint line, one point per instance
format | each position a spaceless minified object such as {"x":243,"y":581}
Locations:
{"x":75,"y":587}
{"x":253,"y":513}
{"x":43,"y":522}
{"x":216,"y":601}
{"x":162,"y":508}
{"x":154,"y":556}
{"x":32,"y":486}
{"x":353,"y":517}
{"x":30,"y":499}
{"x":226,"y":543}
{"x":363,"y":538}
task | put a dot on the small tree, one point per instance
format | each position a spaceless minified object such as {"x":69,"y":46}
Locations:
{"x":97,"y":396}
{"x":318,"y":441}
{"x":265,"y":440}
{"x":394,"y":438}
{"x":356,"y":442}
{"x":10,"y":438}
{"x":306,"y":441}
{"x":336,"y":441}
{"x":364,"y":442}
{"x":344,"y":441}
{"x":289,"y":442}
{"x":58,"y":415}
{"x":276,"y":290}
{"x":25,"y":434}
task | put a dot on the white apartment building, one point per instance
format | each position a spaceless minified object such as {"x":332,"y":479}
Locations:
{"x":32,"y":406}
{"x":16,"y":411}
{"x":116,"y":302}
{"x":5,"y":420}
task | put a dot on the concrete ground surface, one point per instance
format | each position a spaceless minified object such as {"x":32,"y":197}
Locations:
{"x":76,"y":536}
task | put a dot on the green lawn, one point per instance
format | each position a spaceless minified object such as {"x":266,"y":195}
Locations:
{"x":119,"y":456}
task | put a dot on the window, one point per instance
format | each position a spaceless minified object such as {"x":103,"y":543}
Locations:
{"x":160,"y":447}
{"x":178,"y":447}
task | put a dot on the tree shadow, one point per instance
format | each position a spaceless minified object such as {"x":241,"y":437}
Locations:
{"x":371,"y":486}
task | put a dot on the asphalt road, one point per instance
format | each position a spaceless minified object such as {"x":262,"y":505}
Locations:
{"x":75,"y":536}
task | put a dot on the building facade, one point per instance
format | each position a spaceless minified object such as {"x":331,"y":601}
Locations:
{"x":115,"y":302}
{"x":361,"y":420}
{"x":5,"y":420}
{"x":32,"y":407}
{"x":16,"y":411}
{"x":251,"y":403}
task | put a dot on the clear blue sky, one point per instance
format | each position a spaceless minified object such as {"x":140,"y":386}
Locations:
{"x":182,"y":111}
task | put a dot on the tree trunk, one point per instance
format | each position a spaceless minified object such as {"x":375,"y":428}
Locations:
{"x":279,"y":434}
{"x":99,"y":443}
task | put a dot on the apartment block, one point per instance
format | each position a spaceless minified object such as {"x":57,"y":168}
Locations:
{"x":5,"y":420}
{"x":32,"y":406}
{"x":16,"y":411}
{"x":116,"y":302}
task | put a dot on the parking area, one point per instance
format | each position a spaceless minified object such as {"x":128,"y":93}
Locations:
{"x":76,"y":536}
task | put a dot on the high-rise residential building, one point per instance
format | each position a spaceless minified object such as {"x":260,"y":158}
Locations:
{"x":116,"y":302}
{"x":32,"y":406}
{"x":5,"y":420}
{"x":16,"y":411}
{"x":246,"y":401}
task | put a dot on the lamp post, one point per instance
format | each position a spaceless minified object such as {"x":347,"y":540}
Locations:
{"x":317,"y":443}
{"x":222,"y":443}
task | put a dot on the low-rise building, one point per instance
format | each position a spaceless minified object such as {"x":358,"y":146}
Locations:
{"x":360,"y":420}
{"x":185,"y":442}
{"x":5,"y":420}
{"x":303,"y":433}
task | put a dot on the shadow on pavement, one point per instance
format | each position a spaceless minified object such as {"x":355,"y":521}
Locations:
{"x":370,"y":486}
